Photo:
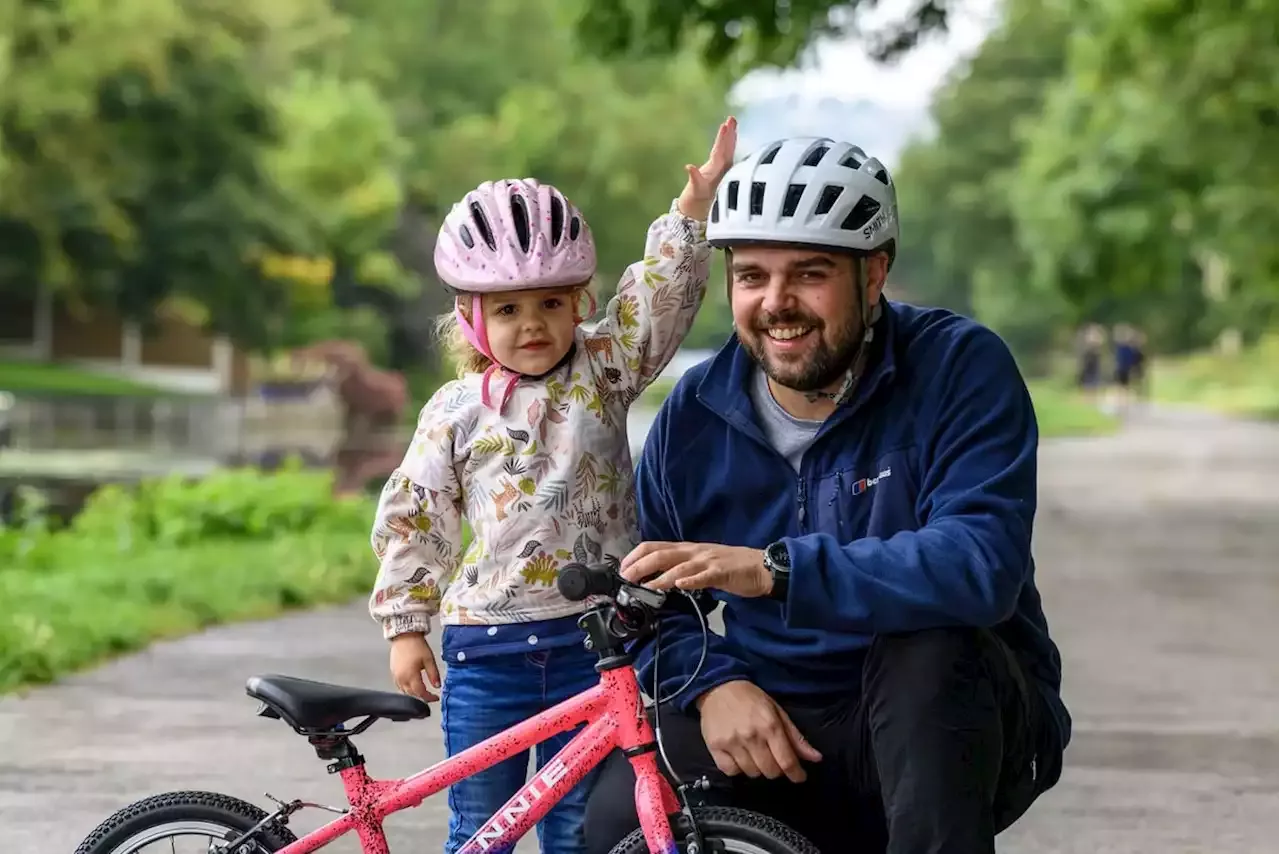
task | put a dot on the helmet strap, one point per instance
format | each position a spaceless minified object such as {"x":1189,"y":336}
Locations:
{"x":473,"y":330}
{"x":845,"y":393}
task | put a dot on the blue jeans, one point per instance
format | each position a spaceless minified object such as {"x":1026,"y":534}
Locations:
{"x":482,"y":698}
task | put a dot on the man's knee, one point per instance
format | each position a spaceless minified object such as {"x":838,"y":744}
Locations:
{"x":917,"y":675}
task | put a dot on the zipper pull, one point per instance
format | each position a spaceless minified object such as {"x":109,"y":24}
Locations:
{"x":800,"y":500}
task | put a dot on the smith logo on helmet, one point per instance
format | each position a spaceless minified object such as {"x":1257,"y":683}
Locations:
{"x":882,"y":219}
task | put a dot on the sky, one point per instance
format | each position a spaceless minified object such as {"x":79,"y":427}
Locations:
{"x":839,"y":91}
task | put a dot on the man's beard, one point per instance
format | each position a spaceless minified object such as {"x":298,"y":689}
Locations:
{"x":822,"y":367}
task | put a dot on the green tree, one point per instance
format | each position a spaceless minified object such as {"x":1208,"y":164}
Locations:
{"x":744,"y":33}
{"x":960,"y":236}
{"x":1154,"y":168}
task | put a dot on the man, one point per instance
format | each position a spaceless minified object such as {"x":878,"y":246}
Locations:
{"x":855,"y":480}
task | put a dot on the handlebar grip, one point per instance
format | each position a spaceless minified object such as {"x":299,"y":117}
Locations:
{"x":576,"y":582}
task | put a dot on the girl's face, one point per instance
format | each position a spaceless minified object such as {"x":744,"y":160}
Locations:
{"x":530,"y":331}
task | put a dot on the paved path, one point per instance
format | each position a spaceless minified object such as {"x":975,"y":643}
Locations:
{"x":1158,"y":563}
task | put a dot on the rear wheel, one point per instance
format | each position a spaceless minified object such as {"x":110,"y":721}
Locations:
{"x":184,"y":822}
{"x":728,"y":831}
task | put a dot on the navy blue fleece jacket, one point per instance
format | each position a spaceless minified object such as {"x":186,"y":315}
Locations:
{"x":913,"y":509}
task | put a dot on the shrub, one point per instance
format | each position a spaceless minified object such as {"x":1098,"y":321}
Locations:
{"x":173,"y":556}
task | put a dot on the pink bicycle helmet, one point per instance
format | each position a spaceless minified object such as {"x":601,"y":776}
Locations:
{"x":510,"y":235}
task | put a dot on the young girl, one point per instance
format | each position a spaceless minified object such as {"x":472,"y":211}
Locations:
{"x":529,"y":446}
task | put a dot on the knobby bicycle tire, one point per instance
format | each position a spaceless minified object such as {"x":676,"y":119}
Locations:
{"x":726,"y":824}
{"x":173,"y":808}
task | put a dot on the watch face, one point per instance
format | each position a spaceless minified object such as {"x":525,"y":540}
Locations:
{"x":777,"y":554}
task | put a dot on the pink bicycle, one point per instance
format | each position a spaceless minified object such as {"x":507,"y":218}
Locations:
{"x":612,"y":712}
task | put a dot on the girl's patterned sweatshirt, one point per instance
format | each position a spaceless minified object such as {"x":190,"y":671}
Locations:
{"x":547,"y":482}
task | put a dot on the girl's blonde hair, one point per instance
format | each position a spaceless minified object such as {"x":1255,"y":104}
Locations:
{"x":460,"y":352}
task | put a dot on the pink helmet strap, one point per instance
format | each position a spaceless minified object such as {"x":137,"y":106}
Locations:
{"x":479,"y":339}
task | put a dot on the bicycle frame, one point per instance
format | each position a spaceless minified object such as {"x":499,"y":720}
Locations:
{"x":615,"y":718}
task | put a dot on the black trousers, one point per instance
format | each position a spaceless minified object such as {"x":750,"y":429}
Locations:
{"x":946,"y":745}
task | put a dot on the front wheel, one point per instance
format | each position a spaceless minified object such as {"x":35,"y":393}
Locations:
{"x":727,"y":831}
{"x":188,"y":816}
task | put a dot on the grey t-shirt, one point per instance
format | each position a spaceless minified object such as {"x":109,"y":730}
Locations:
{"x":790,"y":436}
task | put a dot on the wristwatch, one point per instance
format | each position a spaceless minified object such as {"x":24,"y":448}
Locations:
{"x":778,"y":562}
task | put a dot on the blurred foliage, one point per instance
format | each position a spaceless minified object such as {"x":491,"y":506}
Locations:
{"x":1103,"y":162}
{"x":1106,"y":162}
{"x":284,"y":166}
{"x":747,"y":33}
{"x":281,"y":164}
{"x":170,"y":557}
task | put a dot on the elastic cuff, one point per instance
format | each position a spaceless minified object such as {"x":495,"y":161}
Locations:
{"x":403,"y":624}
{"x":699,"y":226}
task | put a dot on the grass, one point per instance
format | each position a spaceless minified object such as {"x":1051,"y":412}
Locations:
{"x":171,"y":556}
{"x":52,"y":378}
{"x":656,"y":392}
{"x":1059,"y":410}
{"x":1244,"y":384}
{"x":92,"y":604}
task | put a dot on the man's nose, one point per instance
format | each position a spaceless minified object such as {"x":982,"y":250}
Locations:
{"x":777,"y":295}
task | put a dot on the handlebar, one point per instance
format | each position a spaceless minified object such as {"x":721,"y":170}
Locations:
{"x":630,"y":614}
{"x":578,"y":581}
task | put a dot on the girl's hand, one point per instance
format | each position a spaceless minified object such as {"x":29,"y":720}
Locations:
{"x":700,"y":192}
{"x":411,"y":656}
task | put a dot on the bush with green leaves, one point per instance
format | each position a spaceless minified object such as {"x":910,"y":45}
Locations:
{"x":237,"y":503}
{"x":173,"y":556}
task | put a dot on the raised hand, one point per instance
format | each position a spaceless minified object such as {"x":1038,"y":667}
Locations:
{"x":700,"y":191}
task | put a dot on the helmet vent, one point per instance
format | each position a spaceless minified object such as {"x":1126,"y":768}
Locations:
{"x":770,"y":154}
{"x":575,"y":227}
{"x":756,"y":207}
{"x":830,"y":195}
{"x":883,"y":177}
{"x":815,"y":155}
{"x":851,"y":160}
{"x":731,"y":196}
{"x":861,"y":214}
{"x":715,"y":211}
{"x":464,"y":234}
{"x":482,"y":225}
{"x":557,"y":220}
{"x":520,"y":220}
{"x":792,"y":200}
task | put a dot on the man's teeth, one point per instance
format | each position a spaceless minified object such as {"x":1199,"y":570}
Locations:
{"x":786,"y":333}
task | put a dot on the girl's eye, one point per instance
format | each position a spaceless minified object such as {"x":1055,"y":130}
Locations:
{"x":507,"y":310}
{"x":552,"y":303}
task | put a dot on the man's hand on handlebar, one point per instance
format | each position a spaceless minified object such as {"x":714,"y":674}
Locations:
{"x":577,"y":581}
{"x":748,"y":733}
{"x":698,"y":566}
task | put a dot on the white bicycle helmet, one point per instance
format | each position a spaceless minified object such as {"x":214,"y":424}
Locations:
{"x":807,"y":191}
